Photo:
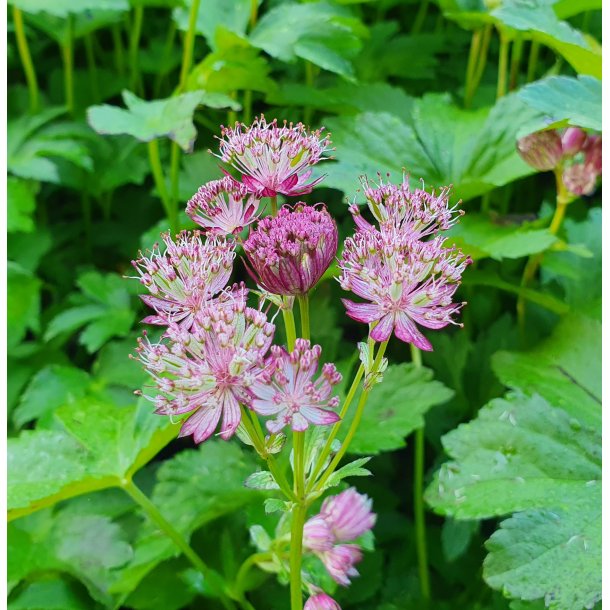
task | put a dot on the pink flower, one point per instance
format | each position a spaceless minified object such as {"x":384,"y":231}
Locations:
{"x":398,"y":207}
{"x":593,"y":153}
{"x":542,"y":149}
{"x":408,"y":283}
{"x":223,"y":206}
{"x":317,"y":535}
{"x":580,"y":178}
{"x":321,"y":601}
{"x":340,"y":561}
{"x":184,"y":277}
{"x":572,"y":141}
{"x":348,"y":515}
{"x":287,"y":390}
{"x":273,"y":159}
{"x":290,"y":252}
{"x":209,"y":370}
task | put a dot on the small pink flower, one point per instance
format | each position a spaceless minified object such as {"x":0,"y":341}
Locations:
{"x":400,"y":208}
{"x":290,"y":252}
{"x":408,"y":283}
{"x":340,"y":561}
{"x":321,"y":601}
{"x":273,"y":159}
{"x":287,"y":390}
{"x":572,"y":141}
{"x":210,"y":369}
{"x":184,"y":277}
{"x":223,"y":206}
{"x":593,"y":153}
{"x":317,"y":535}
{"x":580,"y":178}
{"x":542,"y":149}
{"x":348,"y":514}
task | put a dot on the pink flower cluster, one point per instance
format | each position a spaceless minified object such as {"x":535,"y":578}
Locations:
{"x":574,"y":153}
{"x":403,"y":268}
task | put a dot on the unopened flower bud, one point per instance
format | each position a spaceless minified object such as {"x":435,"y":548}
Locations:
{"x":542,"y":150}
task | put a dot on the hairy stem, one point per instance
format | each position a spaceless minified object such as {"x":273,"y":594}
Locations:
{"x":26,"y":59}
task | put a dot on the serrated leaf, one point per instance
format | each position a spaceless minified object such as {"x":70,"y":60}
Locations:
{"x":395,"y":408}
{"x":565,"y":369}
{"x":261,"y":480}
{"x":274,"y":505}
{"x":353,"y":469}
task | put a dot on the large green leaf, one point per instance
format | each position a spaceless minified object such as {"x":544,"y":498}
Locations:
{"x":395,"y":408}
{"x":97,"y":445}
{"x":23,"y":308}
{"x":63,"y":8}
{"x":565,"y":369}
{"x":51,"y":594}
{"x":21,"y":204}
{"x":577,"y":100}
{"x":326,"y":35}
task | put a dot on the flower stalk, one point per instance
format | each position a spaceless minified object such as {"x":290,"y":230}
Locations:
{"x":26,"y":59}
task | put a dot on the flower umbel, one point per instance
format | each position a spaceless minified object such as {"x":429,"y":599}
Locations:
{"x":210,"y":369}
{"x":287,"y":390}
{"x":223,"y":206}
{"x":273,"y":159}
{"x":408,"y":283}
{"x":184,"y":277}
{"x":290,"y":252}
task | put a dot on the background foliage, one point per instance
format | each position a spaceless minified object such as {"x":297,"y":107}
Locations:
{"x":108,"y":137}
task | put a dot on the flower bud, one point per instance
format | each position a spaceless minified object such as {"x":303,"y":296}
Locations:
{"x":321,"y":601}
{"x":542,"y":149}
{"x":572,"y":141}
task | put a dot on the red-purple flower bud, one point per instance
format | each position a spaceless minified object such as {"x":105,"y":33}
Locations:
{"x":593,"y":153}
{"x":321,"y":601}
{"x":542,"y":150}
{"x":572,"y":141}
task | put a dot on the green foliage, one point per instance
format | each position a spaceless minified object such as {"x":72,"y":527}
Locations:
{"x":21,"y":204}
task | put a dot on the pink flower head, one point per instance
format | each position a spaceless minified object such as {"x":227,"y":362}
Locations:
{"x":580,"y":178}
{"x":184,"y":277}
{"x":340,"y":561}
{"x":317,"y":535}
{"x":287,"y":390}
{"x":593,"y":153}
{"x":398,"y":207}
{"x":223,"y":206}
{"x":348,"y":514}
{"x":273,"y":159}
{"x":290,"y":252}
{"x":572,"y":141}
{"x":321,"y":601}
{"x":209,"y":370}
{"x":541,"y":149}
{"x":408,"y":283}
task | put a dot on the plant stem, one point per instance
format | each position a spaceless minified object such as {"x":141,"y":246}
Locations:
{"x":532,"y":61}
{"x":67,"y":53}
{"x":473,"y":56}
{"x":26,"y":59}
{"x":86,"y":208}
{"x":95,"y":88}
{"x":298,"y":520}
{"x":291,"y":333}
{"x":157,"y":171}
{"x":169,"y":43}
{"x":502,"y":65}
{"x":515,"y":62}
{"x":309,"y":81}
{"x":119,"y":58}
{"x":134,"y":45}
{"x":273,"y":201}
{"x":247,"y":116}
{"x":418,"y":499}
{"x":482,"y":62}
{"x":304,"y":309}
{"x":245,"y":567}
{"x":253,"y":13}
{"x":420,"y":17}
{"x":155,"y":515}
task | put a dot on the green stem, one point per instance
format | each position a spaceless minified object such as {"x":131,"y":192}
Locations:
{"x":253,"y":13}
{"x":67,"y":53}
{"x":117,"y":41}
{"x":26,"y":59}
{"x":86,"y":208}
{"x":291,"y":333}
{"x":155,"y":165}
{"x":420,"y":17}
{"x":418,"y":499}
{"x":273,"y":201}
{"x":502,"y":65}
{"x":169,"y":43}
{"x":247,"y":116}
{"x":515,"y":62}
{"x":93,"y":79}
{"x":189,"y":45}
{"x":482,"y":61}
{"x":532,"y":61}
{"x":244,"y":569}
{"x":355,"y":422}
{"x":304,"y":309}
{"x":298,"y":520}
{"x":155,"y":515}
{"x":134,"y":46}
{"x":473,"y":57}
{"x":309,"y":81}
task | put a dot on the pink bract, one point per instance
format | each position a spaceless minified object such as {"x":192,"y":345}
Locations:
{"x":348,"y":515}
{"x":321,"y":601}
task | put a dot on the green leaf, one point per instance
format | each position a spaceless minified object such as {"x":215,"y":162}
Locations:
{"x":114,"y":366}
{"x":326,"y":35}
{"x":21,"y":204}
{"x":555,"y":555}
{"x":63,"y":8}
{"x":575,"y":99}
{"x":395,"y":408}
{"x":456,"y":537}
{"x":193,"y":488}
{"x":520,"y":453}
{"x":171,"y":117}
{"x":261,"y":480}
{"x":97,"y":445}
{"x":23,"y":308}
{"x":50,"y":388}
{"x":352,"y":469}
{"x":53,"y":594}
{"x":565,"y":369}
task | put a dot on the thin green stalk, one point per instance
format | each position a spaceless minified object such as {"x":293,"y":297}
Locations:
{"x":134,"y":46}
{"x":515,"y":62}
{"x":273,"y":201}
{"x":355,"y":422}
{"x":169,"y":43}
{"x":26,"y":59}
{"x":418,"y":499}
{"x":86,"y":209}
{"x":532,"y":62}
{"x":119,"y":55}
{"x":157,"y":171}
{"x":502,"y":65}
{"x":420,"y":17}
{"x":93,"y":79}
{"x":304,"y":309}
{"x":482,"y":61}
{"x":309,"y":81}
{"x":242,"y":573}
{"x":298,"y":520}
{"x":67,"y":53}
{"x":247,"y":116}
{"x":155,"y":515}
{"x":291,"y":332}
{"x":473,"y":57}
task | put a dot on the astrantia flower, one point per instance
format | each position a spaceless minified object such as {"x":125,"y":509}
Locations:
{"x":340,"y":562}
{"x":321,"y":601}
{"x":348,"y":514}
{"x":408,"y":283}
{"x":286,"y":389}
{"x":572,"y":141}
{"x":398,"y":207}
{"x":273,"y":159}
{"x":317,"y":535}
{"x":209,"y":370}
{"x":223,"y":206}
{"x":184,"y":277}
{"x":542,"y":149}
{"x":290,"y":252}
{"x":580,"y":178}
